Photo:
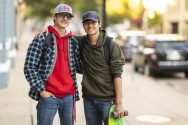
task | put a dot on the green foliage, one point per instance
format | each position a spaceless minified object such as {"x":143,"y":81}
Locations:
{"x":87,"y":5}
{"x":127,"y":9}
{"x":42,"y":9}
{"x":116,"y":18}
{"x":155,"y":21}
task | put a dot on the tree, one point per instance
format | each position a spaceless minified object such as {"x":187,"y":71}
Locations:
{"x":136,"y":13}
{"x":154,"y":21}
{"x":42,"y":9}
{"x":126,"y":9}
{"x":86,"y":5}
{"x":117,"y":11}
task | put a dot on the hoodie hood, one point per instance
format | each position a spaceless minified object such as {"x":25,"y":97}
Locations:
{"x":55,"y":32}
{"x":101,"y":39}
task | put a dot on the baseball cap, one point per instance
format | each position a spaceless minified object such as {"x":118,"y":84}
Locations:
{"x":90,"y":15}
{"x":63,"y":8}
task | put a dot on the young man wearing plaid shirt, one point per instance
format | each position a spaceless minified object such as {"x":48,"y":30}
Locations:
{"x":52,"y":78}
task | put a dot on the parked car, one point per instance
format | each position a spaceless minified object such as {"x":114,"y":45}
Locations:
{"x":162,"y":53}
{"x":130,"y":40}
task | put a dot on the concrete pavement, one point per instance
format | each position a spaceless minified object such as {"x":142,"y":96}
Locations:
{"x":15,"y":106}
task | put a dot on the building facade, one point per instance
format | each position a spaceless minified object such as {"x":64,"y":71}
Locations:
{"x":176,"y":18}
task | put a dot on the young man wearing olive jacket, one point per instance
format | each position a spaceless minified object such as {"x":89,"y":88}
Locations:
{"x":101,"y":83}
{"x":52,"y":74}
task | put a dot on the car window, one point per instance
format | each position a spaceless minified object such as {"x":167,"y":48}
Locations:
{"x":135,"y":40}
{"x":179,"y":45}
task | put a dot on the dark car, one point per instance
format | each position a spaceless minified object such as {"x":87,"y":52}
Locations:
{"x":162,"y":53}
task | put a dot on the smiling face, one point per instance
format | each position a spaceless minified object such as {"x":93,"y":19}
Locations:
{"x":62,"y":20}
{"x":91,"y":27}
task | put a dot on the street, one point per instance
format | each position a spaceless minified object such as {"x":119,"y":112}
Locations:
{"x":155,"y":100}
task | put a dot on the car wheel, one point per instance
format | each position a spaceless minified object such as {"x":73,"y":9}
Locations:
{"x":186,"y":74}
{"x":135,"y":68}
{"x":147,"y":70}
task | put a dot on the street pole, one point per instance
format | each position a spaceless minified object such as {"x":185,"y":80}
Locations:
{"x":104,"y":19}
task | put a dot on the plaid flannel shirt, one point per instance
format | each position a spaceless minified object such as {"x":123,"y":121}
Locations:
{"x":37,"y":73}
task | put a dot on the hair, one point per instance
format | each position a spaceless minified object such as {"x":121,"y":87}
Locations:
{"x":55,"y":15}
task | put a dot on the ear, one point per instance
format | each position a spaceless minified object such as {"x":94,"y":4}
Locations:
{"x":99,"y":24}
{"x":54,"y":17}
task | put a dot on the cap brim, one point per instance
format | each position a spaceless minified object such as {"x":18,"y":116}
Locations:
{"x":90,"y":19}
{"x":67,"y":13}
{"x":71,"y":15}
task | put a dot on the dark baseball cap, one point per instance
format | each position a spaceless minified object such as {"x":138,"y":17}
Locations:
{"x":90,"y":15}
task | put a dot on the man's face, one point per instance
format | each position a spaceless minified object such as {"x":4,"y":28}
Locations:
{"x":62,"y":20}
{"x":91,"y":27}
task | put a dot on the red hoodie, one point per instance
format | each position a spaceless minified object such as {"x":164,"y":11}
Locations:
{"x":60,"y":83}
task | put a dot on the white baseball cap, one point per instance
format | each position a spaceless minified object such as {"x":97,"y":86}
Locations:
{"x":63,"y":8}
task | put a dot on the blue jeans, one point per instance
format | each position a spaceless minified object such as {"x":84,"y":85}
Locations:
{"x":47,"y":108}
{"x":96,"y":112}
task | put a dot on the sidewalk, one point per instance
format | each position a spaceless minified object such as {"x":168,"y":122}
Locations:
{"x":15,"y":106}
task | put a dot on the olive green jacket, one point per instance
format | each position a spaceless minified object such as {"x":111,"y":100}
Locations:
{"x":98,"y":76}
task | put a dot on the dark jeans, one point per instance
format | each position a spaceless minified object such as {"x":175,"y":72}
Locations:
{"x":47,"y":108}
{"x":96,"y":112}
